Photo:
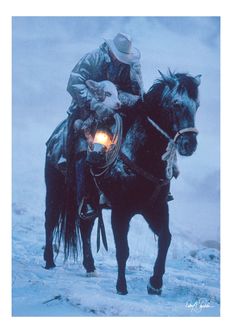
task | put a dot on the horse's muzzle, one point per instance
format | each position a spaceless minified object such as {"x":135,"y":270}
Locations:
{"x":187,"y":144}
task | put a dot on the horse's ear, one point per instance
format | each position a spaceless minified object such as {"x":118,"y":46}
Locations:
{"x":164,"y":78}
{"x":170,"y":73}
{"x":198,"y":79}
{"x":92,"y":85}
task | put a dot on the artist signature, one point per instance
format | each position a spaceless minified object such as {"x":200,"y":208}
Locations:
{"x":199,"y":305}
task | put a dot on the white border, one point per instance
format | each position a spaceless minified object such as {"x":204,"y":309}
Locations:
{"x":106,"y":8}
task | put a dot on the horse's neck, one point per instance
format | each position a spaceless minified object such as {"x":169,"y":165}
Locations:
{"x":144,"y":146}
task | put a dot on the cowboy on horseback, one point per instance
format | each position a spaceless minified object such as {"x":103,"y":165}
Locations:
{"x":116,"y":60}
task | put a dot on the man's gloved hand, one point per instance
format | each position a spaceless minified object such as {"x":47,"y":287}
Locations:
{"x":104,"y":113}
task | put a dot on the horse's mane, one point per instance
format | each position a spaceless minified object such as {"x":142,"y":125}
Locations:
{"x":179,"y":83}
{"x":182,"y":81}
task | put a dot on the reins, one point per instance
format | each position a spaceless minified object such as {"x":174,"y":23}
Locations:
{"x":140,"y":171}
{"x":180,"y":132}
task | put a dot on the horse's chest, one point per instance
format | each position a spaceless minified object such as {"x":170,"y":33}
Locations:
{"x":124,"y":185}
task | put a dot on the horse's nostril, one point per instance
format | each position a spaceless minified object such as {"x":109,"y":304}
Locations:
{"x":188,"y":145}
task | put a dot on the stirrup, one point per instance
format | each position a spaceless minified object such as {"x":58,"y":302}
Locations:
{"x":86,"y":211}
{"x":103,"y":202}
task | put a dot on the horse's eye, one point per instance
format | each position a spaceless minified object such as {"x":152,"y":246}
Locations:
{"x":177,"y":106}
{"x":107,"y":94}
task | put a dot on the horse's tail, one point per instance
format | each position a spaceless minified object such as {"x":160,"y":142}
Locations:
{"x":70,"y":224}
{"x":70,"y":230}
{"x":55,"y":202}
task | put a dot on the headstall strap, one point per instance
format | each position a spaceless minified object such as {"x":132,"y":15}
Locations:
{"x":185,"y":130}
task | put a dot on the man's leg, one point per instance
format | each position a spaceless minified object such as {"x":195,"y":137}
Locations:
{"x":85,"y":210}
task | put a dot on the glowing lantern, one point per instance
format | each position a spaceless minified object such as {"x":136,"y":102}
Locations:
{"x":102,"y":138}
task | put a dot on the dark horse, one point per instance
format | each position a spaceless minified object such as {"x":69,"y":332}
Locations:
{"x":137,"y":182}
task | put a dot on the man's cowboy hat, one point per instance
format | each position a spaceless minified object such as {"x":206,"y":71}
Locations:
{"x":121,"y":47}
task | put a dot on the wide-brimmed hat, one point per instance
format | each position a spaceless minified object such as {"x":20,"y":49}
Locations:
{"x":121,"y":46}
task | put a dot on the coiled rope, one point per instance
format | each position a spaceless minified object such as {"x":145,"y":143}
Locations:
{"x":113,"y":151}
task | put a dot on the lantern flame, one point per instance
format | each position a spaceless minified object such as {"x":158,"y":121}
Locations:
{"x":103,"y":138}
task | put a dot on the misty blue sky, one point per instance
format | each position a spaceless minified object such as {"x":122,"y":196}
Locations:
{"x":45,"y":49}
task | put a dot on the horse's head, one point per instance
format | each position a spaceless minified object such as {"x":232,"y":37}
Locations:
{"x":173,"y":102}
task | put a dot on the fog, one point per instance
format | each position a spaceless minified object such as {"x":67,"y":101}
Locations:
{"x":45,"y":49}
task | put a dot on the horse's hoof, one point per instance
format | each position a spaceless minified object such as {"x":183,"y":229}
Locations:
{"x":121,"y":287}
{"x":122,"y":292}
{"x":50,"y":266}
{"x":92,"y":274}
{"x":153,"y":291}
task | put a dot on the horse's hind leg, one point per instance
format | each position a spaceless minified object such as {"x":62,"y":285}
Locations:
{"x":51,"y":218}
{"x":158,"y":220}
{"x":54,"y":201}
{"x":86,"y":227}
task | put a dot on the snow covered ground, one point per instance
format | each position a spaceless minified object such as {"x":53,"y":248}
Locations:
{"x":191,"y":283}
{"x":44,"y":52}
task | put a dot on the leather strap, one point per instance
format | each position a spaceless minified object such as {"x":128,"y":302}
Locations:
{"x":133,"y":166}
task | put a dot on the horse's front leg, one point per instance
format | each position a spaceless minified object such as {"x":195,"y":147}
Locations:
{"x":158,"y":220}
{"x":120,"y":226}
{"x":86,"y":227}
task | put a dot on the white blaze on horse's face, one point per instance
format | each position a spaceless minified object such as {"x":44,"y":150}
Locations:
{"x":104,"y":94}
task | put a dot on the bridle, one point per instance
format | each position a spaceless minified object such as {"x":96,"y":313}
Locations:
{"x":170,"y":155}
{"x":179,"y":132}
